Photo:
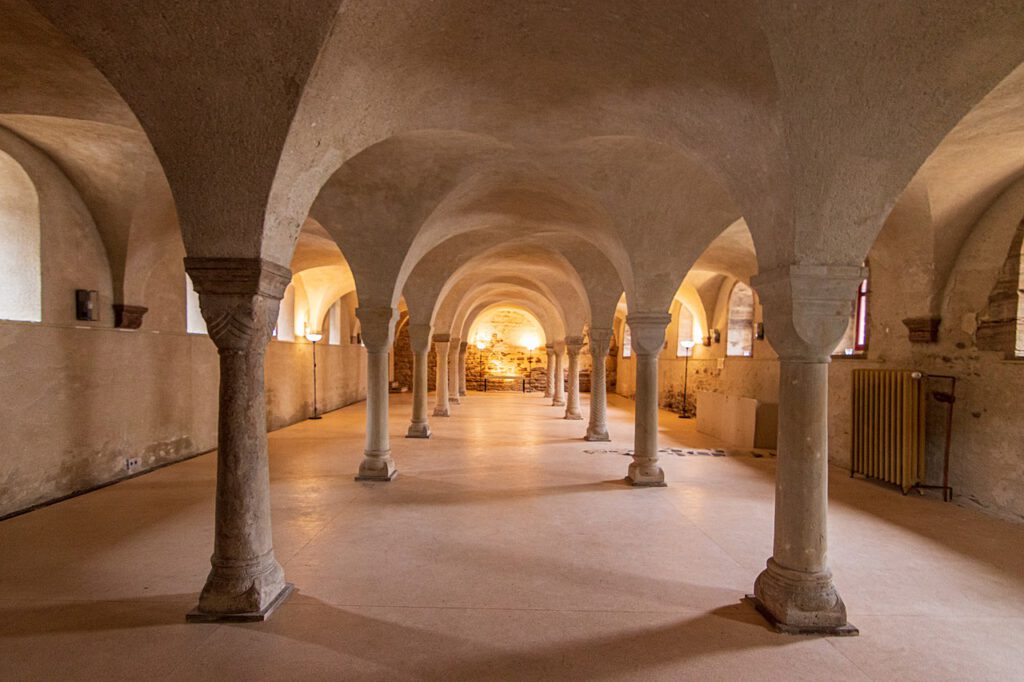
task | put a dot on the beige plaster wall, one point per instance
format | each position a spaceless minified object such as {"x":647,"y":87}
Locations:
{"x":76,"y":402}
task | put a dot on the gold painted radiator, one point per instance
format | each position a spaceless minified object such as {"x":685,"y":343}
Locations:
{"x":888,"y":426}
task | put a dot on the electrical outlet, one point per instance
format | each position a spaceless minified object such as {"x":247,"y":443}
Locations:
{"x":131,"y":464}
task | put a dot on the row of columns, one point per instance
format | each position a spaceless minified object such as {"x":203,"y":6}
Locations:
{"x":806,"y":311}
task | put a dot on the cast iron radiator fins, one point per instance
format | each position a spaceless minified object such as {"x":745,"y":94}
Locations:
{"x":888,"y":426}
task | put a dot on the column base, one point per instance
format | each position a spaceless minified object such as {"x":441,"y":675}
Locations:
{"x":418,"y":431}
{"x":646,"y":476}
{"x":597,"y":436}
{"x":556,"y":402}
{"x":442,"y":412}
{"x":462,"y":391}
{"x":454,"y":401}
{"x":197,"y":616}
{"x":377,"y":467}
{"x":577,"y":416}
{"x":800,"y":603}
{"x":547,"y":394}
{"x":241,"y":589}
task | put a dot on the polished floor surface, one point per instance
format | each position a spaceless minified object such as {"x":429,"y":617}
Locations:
{"x":506,"y":549}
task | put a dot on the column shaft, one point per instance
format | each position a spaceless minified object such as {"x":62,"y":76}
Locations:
{"x":377,"y":326}
{"x":807,"y":308}
{"x":558,"y":395}
{"x":453,"y":371}
{"x":239,"y":300}
{"x":648,"y":334}
{"x":549,"y":388}
{"x":597,"y":428}
{"x":462,"y":367}
{"x":441,"y":408}
{"x":572,"y":404}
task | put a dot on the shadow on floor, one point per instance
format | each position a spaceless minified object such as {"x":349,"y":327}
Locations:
{"x":412,"y":650}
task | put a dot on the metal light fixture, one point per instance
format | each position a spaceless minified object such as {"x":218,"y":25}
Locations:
{"x":313,"y":337}
{"x":688,"y":347}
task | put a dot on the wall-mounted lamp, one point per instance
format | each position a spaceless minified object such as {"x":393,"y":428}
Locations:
{"x":716,"y":336}
{"x":688,"y":348}
{"x":313,"y":337}
{"x":87,"y":305}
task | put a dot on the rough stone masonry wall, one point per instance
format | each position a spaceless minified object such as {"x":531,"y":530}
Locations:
{"x":404,"y":358}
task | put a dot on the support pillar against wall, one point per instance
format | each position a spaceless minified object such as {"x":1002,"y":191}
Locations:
{"x":462,"y":367}
{"x":647,"y":331}
{"x":441,"y":342}
{"x":419,"y":339}
{"x":597,"y":428}
{"x":378,"y":329}
{"x":573,"y":344}
{"x":239,"y":298}
{"x":806,"y":311}
{"x":558,"y":390}
{"x":453,"y":371}
{"x":549,"y":389}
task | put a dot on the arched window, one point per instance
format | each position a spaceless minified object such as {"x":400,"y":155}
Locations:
{"x":194,"y":322}
{"x":685,"y":339}
{"x":627,"y":341}
{"x":334,"y":324}
{"x":21,"y":296}
{"x":740,"y":331}
{"x":855,"y":340}
{"x":286,"y":315}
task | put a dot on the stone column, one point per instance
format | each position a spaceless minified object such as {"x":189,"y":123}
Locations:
{"x":378,"y":328}
{"x":648,"y":333}
{"x":597,"y":429}
{"x":441,"y":350}
{"x":558,"y":396}
{"x":453,"y":371}
{"x":462,"y":367}
{"x":239,"y":298}
{"x":419,"y":339}
{"x":549,"y":389}
{"x":806,"y":311}
{"x":574,"y":344}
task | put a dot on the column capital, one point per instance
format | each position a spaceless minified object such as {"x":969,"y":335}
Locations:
{"x":462,"y":347}
{"x":807,"y":308}
{"x":239,"y":299}
{"x":647,"y":330}
{"x":442,"y":338}
{"x":574,"y":344}
{"x":549,"y":348}
{"x":377,"y":325}
{"x":600,"y":337}
{"x":419,"y":337}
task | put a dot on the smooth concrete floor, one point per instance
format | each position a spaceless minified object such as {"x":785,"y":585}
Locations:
{"x":503,"y":551}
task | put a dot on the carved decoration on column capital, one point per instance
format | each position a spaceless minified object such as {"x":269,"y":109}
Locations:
{"x":419,"y":337}
{"x":807,"y":308}
{"x":239,"y":299}
{"x":377,"y":326}
{"x":647,"y":331}
{"x":922,"y":329}
{"x":573,"y":344}
{"x":549,"y":348}
{"x":462,"y":347}
{"x":600,"y":338}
